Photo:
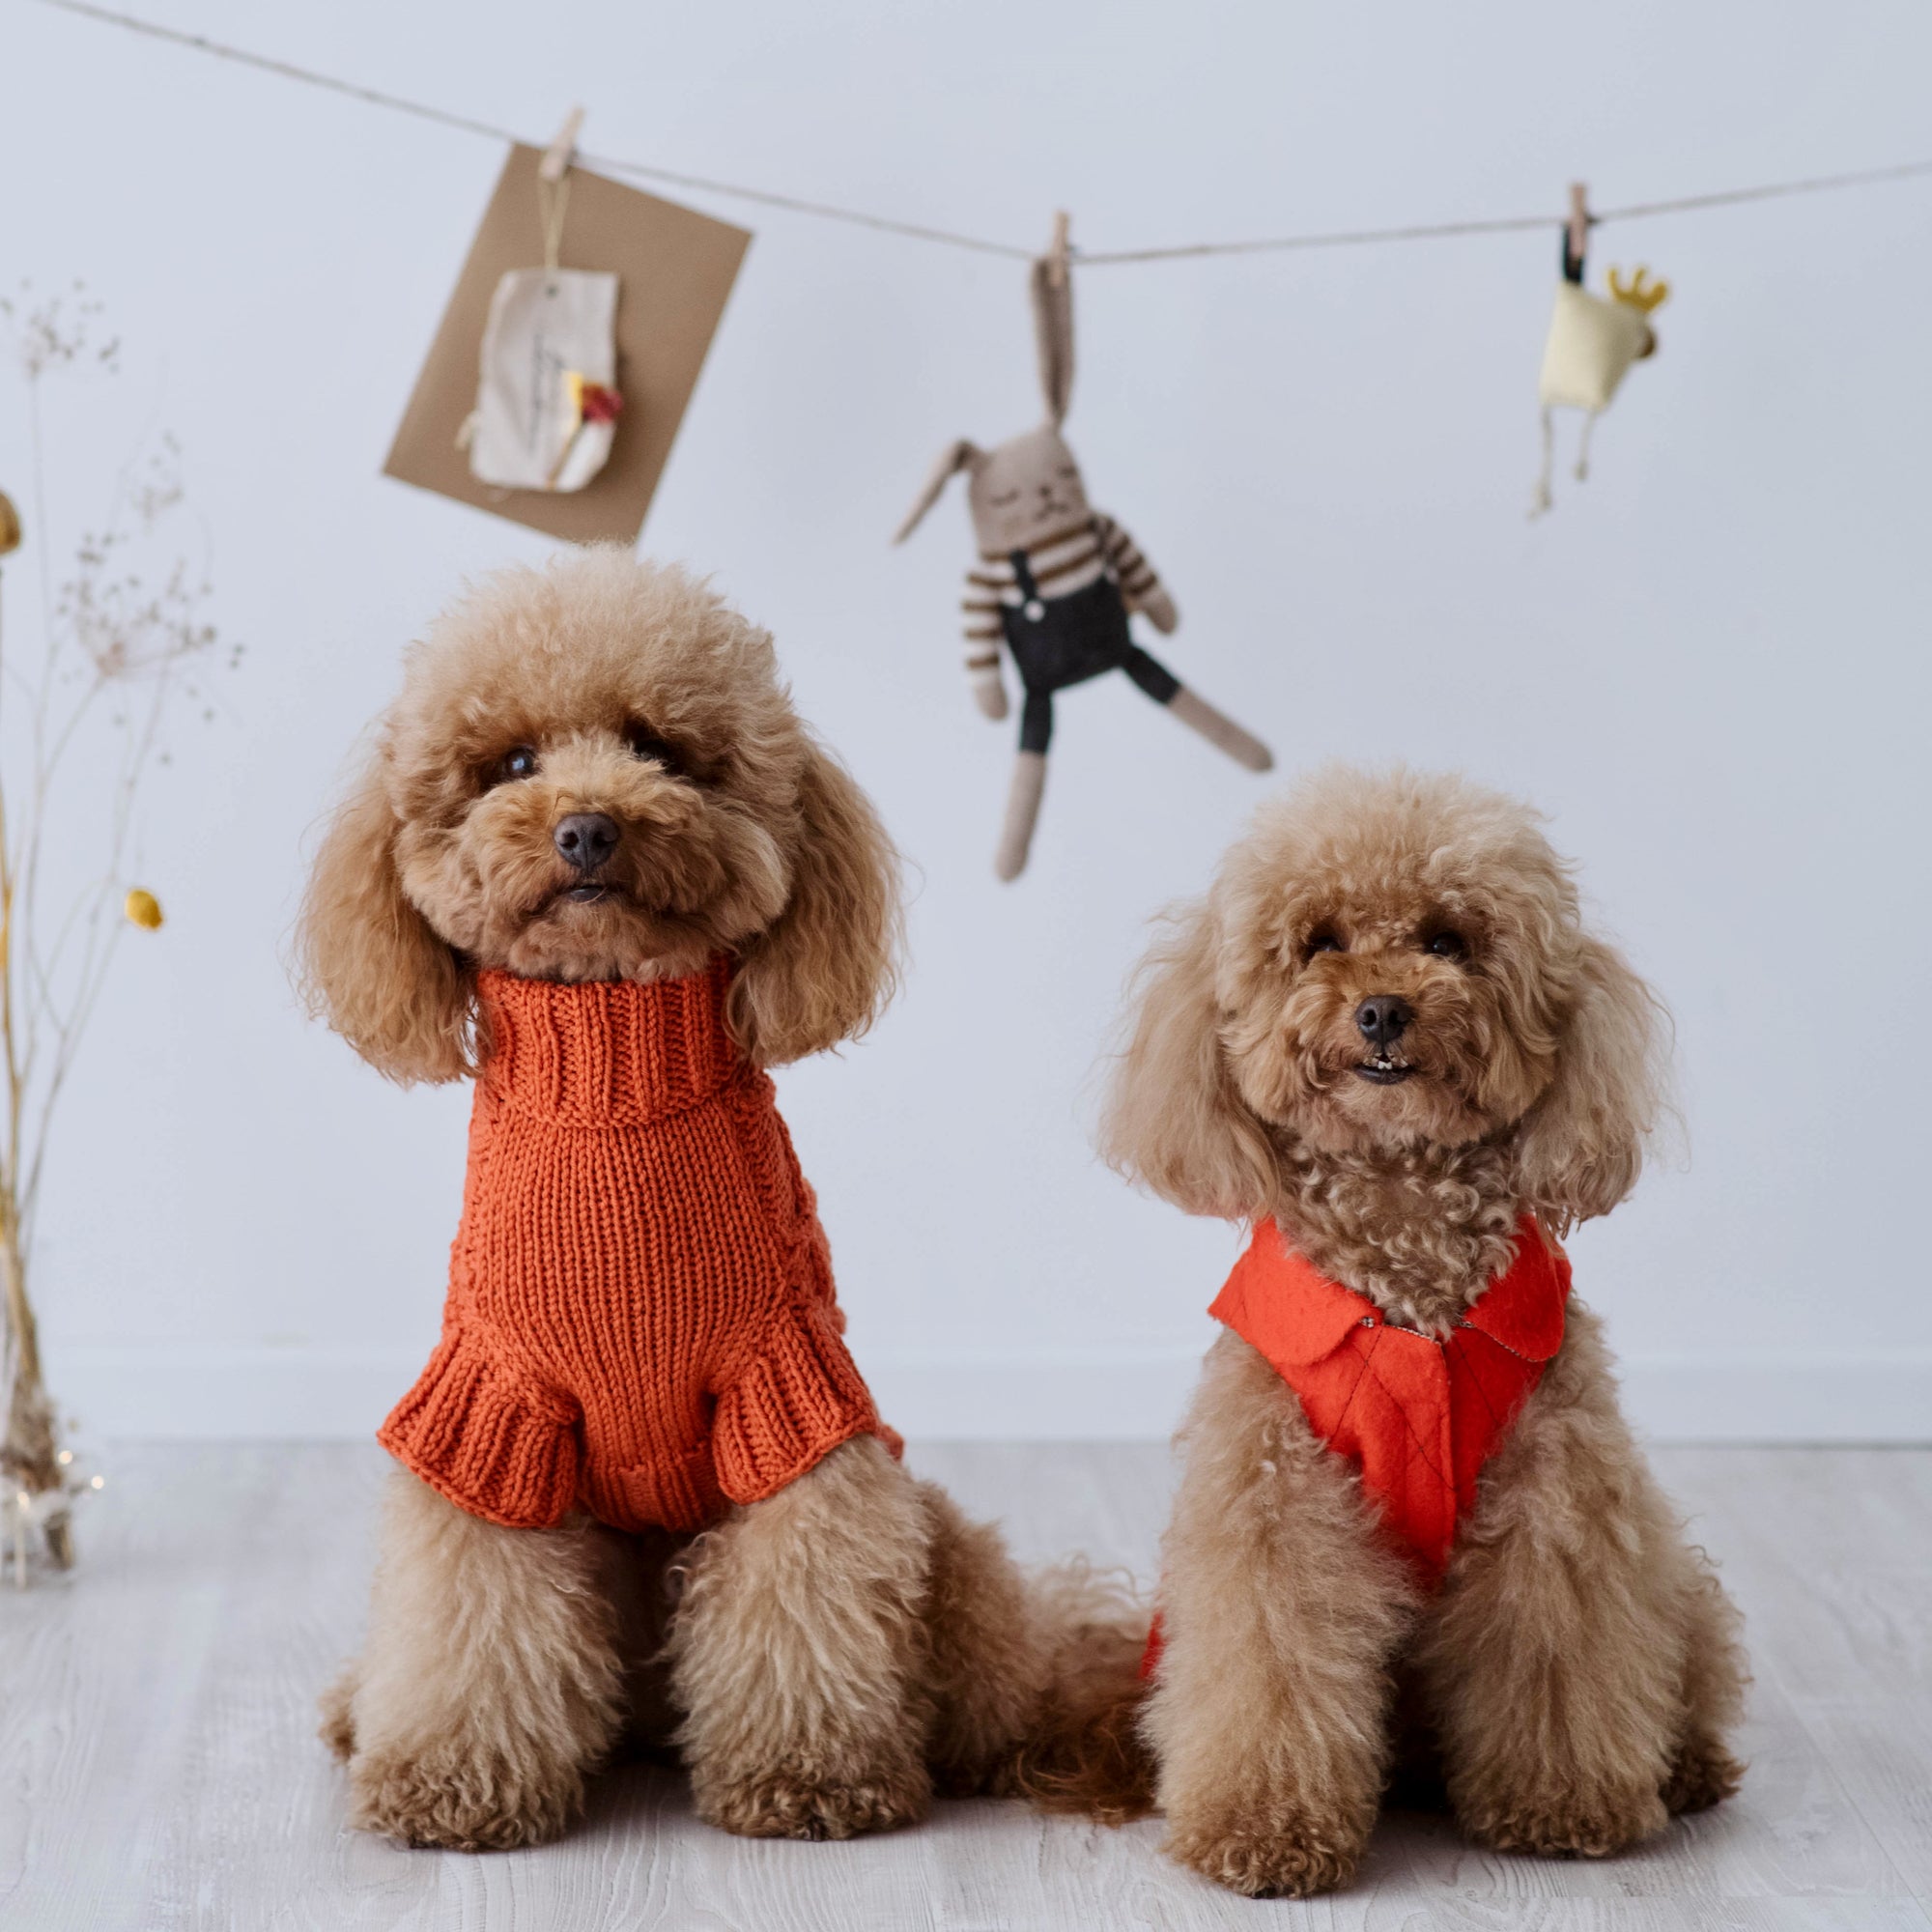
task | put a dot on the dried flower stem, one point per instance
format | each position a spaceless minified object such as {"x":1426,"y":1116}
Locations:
{"x":105,"y":633}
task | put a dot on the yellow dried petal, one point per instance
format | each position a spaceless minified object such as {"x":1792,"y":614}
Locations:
{"x":10,"y":524}
{"x":144,"y":909}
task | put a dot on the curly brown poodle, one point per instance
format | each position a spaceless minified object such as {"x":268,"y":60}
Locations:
{"x":1388,"y":1028}
{"x":593,"y":774}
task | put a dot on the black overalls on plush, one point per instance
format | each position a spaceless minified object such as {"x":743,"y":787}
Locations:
{"x":1057,"y":641}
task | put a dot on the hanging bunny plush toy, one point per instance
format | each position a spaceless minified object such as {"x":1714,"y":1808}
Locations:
{"x":1056,"y":580}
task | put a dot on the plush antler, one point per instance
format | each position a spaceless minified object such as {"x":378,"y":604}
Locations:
{"x":1641,"y":292}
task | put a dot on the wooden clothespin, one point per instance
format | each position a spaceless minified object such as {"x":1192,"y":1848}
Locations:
{"x":562,"y":151}
{"x":1577,"y":232}
{"x":1058,"y":251}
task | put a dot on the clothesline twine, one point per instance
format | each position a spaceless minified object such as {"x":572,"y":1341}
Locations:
{"x":978,"y":244}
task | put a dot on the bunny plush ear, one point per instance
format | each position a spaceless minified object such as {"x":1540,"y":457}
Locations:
{"x":1052,"y":289}
{"x":962,"y":455}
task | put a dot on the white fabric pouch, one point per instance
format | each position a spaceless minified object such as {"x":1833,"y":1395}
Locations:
{"x":550,"y":335}
{"x":1592,"y":343}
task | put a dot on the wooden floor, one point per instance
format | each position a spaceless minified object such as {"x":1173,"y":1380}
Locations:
{"x":159,"y":1767}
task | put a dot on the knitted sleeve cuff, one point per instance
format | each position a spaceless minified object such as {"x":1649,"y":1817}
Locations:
{"x":790,"y":1405}
{"x":507,"y":1454}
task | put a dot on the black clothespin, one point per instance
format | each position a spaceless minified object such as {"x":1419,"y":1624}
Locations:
{"x":1575,"y":235}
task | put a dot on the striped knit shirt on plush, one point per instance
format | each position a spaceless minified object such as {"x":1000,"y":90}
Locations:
{"x":1061,"y":564}
{"x":640,"y":1319}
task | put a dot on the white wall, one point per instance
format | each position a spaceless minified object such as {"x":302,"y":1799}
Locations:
{"x":1708,"y":665}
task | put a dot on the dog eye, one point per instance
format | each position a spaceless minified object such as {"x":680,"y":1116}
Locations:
{"x":519,"y":762}
{"x":1447,"y":946}
{"x":1324,"y":941}
{"x":645,"y":743}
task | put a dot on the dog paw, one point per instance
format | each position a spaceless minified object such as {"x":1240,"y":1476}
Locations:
{"x":1577,"y":1825}
{"x":1293,"y":1858}
{"x":785,"y":1805}
{"x":453,"y":1800}
{"x":1705,"y":1774}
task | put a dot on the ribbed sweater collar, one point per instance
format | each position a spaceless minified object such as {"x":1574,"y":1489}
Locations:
{"x":607,"y":1054}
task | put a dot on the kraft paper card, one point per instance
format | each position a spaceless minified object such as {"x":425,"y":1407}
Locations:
{"x":673,"y":273}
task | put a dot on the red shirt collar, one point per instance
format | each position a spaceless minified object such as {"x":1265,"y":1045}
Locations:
{"x":1307,"y":1315}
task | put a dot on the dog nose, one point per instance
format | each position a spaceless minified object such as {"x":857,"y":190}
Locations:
{"x":1381,"y":1018}
{"x":585,"y":839}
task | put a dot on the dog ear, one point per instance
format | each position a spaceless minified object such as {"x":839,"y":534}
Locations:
{"x":826,"y":967}
{"x":1174,"y":1119}
{"x":366,"y":959}
{"x":961,"y":455}
{"x":1580,"y":1147}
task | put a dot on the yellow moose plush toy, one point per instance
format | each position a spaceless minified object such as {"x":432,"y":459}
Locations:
{"x":1593,"y":340}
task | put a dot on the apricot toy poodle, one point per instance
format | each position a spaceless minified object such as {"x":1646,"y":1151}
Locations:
{"x":1414,"y":1539}
{"x":598,"y":866}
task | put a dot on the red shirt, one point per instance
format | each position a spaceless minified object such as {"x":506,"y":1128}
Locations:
{"x":1417,"y":1417}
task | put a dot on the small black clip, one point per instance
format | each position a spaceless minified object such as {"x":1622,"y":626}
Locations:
{"x":1575,"y":235}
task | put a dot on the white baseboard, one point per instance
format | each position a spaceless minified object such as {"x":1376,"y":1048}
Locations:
{"x":1781,"y":1398}
{"x":242,"y":1394}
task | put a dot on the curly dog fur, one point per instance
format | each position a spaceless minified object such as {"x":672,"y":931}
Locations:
{"x":817,"y":1659}
{"x":1571,"y":1685}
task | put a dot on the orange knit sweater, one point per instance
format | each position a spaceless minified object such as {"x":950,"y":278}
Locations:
{"x":640,"y":1319}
